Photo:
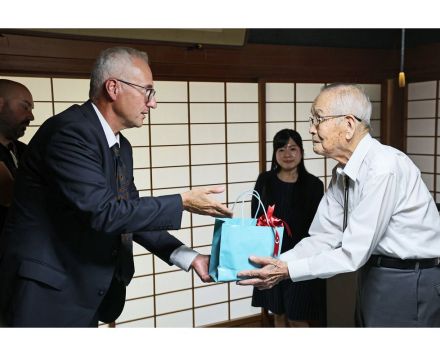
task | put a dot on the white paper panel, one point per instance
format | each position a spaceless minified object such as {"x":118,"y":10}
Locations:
{"x":422,"y":145}
{"x":207,"y":113}
{"x":421,"y":109}
{"x":246,"y":92}
{"x":140,"y":287}
{"x":315,"y":166}
{"x":206,"y":92}
{"x":138,"y":136}
{"x":170,"y":177}
{"x":243,"y":132}
{"x":170,"y":113}
{"x":141,"y":157}
{"x":242,"y":112}
{"x":422,"y":90}
{"x":307,"y":92}
{"x":41,"y":112}
{"x":166,"y":303}
{"x":208,"y":175}
{"x":175,"y":320}
{"x":137,"y":308}
{"x":280,"y":92}
{"x":169,"y":135}
{"x":280,"y":112}
{"x":71,"y":89}
{"x":209,"y":133}
{"x":242,"y":308}
{"x":210,"y":315}
{"x":242,"y":172}
{"x":202,"y":154}
{"x":210,"y":295}
{"x":241,"y":152}
{"x":170,"y":156}
{"x":143,"y":264}
{"x":420,"y":127}
{"x":168,"y":282}
{"x":202,"y":236}
{"x":169,"y":91}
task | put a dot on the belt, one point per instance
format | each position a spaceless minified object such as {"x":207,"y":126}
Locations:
{"x":391,"y":262}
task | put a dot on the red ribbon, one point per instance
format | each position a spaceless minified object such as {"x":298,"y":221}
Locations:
{"x":274,"y":222}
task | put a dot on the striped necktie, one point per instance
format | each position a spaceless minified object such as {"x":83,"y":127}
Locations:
{"x":125,"y":265}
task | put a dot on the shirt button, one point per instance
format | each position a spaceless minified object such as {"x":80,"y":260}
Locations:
{"x":101,"y":292}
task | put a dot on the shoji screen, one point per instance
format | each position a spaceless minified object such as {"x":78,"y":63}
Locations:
{"x":423,"y":132}
{"x":288,"y":106}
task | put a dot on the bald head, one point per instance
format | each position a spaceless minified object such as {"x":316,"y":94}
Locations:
{"x":16,"y":104}
{"x":9,"y":88}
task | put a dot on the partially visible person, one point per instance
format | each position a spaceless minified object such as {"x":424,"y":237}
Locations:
{"x":66,"y":253}
{"x":296,"y":195}
{"x":377,"y":216}
{"x":16,"y":106}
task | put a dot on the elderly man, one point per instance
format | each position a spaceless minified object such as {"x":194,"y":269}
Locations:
{"x":16,"y":106}
{"x":66,"y":254}
{"x":377,"y":216}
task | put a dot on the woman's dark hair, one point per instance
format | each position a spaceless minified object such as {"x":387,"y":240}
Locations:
{"x":281,"y":139}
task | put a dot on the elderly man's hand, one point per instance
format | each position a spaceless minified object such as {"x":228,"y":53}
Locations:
{"x":201,"y":266}
{"x":272,"y":273}
{"x":198,"y":201}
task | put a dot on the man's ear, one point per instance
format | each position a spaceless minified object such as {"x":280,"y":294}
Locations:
{"x":350,"y":121}
{"x":111,"y":88}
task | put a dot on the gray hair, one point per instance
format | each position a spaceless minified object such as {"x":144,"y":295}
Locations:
{"x":112,"y":62}
{"x":350,"y":99}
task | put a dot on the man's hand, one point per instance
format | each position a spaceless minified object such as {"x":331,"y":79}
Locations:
{"x":201,"y":266}
{"x":272,"y":273}
{"x":198,"y":201}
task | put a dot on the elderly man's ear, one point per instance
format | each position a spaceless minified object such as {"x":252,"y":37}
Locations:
{"x":350,"y":121}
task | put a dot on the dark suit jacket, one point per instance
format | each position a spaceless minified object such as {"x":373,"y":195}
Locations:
{"x":59,"y":247}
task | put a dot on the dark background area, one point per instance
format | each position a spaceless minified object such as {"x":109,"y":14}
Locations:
{"x":387,"y":38}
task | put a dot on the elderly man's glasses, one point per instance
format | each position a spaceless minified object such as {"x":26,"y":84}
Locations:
{"x":316,"y":120}
{"x":148,"y":92}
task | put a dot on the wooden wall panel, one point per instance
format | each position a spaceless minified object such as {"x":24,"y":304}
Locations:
{"x":25,"y":53}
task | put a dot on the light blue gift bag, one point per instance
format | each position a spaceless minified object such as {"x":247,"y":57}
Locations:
{"x":235,"y":239}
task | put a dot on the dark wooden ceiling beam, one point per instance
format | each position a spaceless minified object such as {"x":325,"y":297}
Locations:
{"x":37,"y":55}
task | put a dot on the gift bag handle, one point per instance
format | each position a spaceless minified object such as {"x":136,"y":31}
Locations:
{"x":255,"y":194}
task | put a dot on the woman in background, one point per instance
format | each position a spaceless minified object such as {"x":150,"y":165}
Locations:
{"x":296,"y":195}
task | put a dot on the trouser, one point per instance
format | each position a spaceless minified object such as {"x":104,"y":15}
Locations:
{"x":391,"y":297}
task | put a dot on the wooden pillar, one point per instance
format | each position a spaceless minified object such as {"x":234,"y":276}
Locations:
{"x":262,"y":124}
{"x":393,"y":114}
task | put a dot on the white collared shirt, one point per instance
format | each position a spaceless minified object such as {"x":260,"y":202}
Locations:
{"x":182,"y":256}
{"x":390,"y":212}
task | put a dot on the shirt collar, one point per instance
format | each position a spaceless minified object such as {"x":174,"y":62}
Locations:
{"x":353,"y":165}
{"x":109,"y":135}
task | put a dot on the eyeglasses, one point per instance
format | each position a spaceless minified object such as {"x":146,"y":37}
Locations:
{"x":316,"y":120}
{"x":148,"y":92}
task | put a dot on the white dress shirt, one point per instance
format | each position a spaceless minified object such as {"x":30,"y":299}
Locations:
{"x":182,"y":256}
{"x":390,"y":212}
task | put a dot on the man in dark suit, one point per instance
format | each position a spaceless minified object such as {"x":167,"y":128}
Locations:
{"x":66,"y":252}
{"x":16,"y":104}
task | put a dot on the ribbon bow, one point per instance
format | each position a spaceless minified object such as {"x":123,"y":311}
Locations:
{"x":274,"y":222}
